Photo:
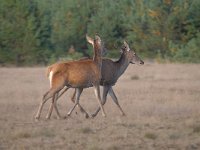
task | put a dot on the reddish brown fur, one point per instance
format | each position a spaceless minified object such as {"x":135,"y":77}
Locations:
{"x":75,"y":74}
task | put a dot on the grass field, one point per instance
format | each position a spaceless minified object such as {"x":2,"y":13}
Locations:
{"x":161,"y":102}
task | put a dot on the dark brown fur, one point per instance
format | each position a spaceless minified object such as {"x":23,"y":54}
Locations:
{"x":76,"y":74}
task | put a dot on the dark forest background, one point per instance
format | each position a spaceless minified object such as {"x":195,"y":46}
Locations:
{"x":40,"y":32}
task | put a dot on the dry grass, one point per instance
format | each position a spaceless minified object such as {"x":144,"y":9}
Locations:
{"x":161,"y":102}
{"x":151,"y":136}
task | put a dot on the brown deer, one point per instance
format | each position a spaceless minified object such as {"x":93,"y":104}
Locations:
{"x":75,"y":74}
{"x":110,"y":73}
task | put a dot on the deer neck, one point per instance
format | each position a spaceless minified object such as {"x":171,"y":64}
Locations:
{"x":97,"y":57}
{"x":122,"y":64}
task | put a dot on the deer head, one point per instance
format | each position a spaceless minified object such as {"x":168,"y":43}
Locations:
{"x":130,"y":54}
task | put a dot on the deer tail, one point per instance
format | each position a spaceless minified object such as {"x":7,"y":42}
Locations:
{"x":48,"y":71}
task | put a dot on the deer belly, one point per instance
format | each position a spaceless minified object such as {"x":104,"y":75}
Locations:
{"x":80,"y":82}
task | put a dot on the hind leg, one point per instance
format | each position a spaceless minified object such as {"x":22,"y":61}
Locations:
{"x":51,"y":106}
{"x":73,"y":96}
{"x":62,"y":92}
{"x":55,"y":107}
{"x":57,"y":85}
{"x":50,"y":110}
{"x":46,"y":97}
{"x":57,"y":96}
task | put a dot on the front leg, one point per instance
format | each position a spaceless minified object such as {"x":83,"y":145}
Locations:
{"x":81,"y":108}
{"x":97,"y":93}
{"x":83,"y":111}
{"x":114,"y":97}
{"x":104,"y":98}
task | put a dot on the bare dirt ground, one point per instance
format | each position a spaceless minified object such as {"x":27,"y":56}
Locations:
{"x":161,"y":102}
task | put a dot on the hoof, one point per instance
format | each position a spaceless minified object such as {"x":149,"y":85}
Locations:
{"x":36,"y":119}
{"x":104,"y":115}
{"x":123,"y":115}
{"x":65,"y":117}
{"x":47,"y":118}
{"x":68,"y":115}
{"x":93,"y":115}
{"x":60,"y":118}
{"x":86,"y":116}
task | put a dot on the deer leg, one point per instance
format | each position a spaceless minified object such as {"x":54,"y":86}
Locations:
{"x":57,"y":85}
{"x":55,"y":106}
{"x":67,"y":88}
{"x":50,"y":109}
{"x":97,"y":93}
{"x":73,"y":96}
{"x":104,"y":98}
{"x":114,"y":98}
{"x":83,"y":111}
{"x":51,"y":106}
{"x":46,"y":97}
{"x":81,"y":108}
{"x":78,"y":93}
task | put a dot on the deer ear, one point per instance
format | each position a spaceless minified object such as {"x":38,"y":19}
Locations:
{"x":90,"y":40}
{"x":98,"y":39}
{"x":126,"y":46}
{"x":125,"y":43}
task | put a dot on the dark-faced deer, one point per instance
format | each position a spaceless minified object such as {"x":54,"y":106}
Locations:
{"x":110,"y":73}
{"x":76,"y":74}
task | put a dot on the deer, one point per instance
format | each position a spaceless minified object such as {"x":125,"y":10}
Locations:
{"x":78,"y":74}
{"x":110,"y":73}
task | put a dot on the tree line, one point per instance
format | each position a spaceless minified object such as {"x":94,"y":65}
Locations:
{"x":36,"y":32}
